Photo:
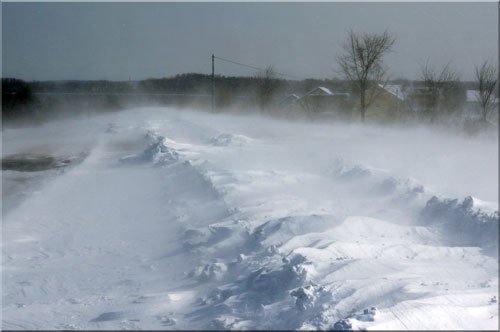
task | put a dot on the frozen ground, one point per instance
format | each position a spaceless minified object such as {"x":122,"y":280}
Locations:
{"x":182,"y":220}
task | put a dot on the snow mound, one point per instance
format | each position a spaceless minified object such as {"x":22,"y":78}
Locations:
{"x":464,"y":223}
{"x":214,"y":234}
{"x":407,"y":186}
{"x":310,"y":297}
{"x":402,"y":190}
{"x":261,"y":286}
{"x":343,"y":170}
{"x":157,"y":152}
{"x":223,"y":323}
{"x":355,"y":322}
{"x":229,"y":234}
{"x":229,"y":140}
{"x":212,"y":271}
{"x":379,"y":186}
{"x":379,"y":179}
{"x":278,"y":231}
{"x":269,"y":284}
{"x":352,"y":172}
{"x":216,"y":296}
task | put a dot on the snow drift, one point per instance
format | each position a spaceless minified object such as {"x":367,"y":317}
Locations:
{"x":464,"y":224}
{"x":187,"y":220}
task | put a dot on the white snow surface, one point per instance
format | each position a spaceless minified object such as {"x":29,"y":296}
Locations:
{"x":180,"y":219}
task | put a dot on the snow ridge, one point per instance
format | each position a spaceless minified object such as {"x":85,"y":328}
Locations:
{"x":464,"y":223}
{"x":157,"y":152}
{"x":292,"y":272}
{"x":260,"y":227}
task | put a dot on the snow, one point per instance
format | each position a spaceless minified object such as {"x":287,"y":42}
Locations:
{"x":325,"y":90}
{"x":229,"y":139}
{"x":395,"y":90}
{"x":177,"y":219}
{"x":473,"y":96}
{"x":320,"y":90}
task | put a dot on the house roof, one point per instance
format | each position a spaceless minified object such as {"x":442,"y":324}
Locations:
{"x":395,"y":90}
{"x":325,"y":90}
{"x":319,"y":91}
{"x":322,"y":91}
{"x":290,"y":98}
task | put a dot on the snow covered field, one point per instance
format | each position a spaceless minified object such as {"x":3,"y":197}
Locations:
{"x":172,"y":219}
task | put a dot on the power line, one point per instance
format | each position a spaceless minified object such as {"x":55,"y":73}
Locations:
{"x":240,"y":64}
{"x":253,"y":67}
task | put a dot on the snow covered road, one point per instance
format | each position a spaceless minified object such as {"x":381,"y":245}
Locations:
{"x":189,"y":220}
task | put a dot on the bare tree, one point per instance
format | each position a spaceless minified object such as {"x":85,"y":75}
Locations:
{"x":486,"y":77}
{"x":361,"y":63}
{"x":268,"y":83}
{"x":441,"y":89}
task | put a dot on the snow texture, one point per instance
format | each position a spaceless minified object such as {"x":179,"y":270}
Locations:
{"x":186,"y":220}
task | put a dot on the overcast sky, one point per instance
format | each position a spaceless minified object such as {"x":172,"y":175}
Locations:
{"x":121,"y":41}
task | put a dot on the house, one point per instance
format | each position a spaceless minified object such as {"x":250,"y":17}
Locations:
{"x":322,"y":99}
{"x":392,"y":101}
{"x":389,"y":98}
{"x":404,"y":98}
{"x":395,"y":90}
{"x":319,"y":91}
{"x":288,"y":101}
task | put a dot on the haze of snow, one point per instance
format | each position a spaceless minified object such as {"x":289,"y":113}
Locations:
{"x":179,"y":219}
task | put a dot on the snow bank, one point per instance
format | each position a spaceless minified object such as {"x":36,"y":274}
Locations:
{"x":269,"y":236}
{"x":355,"y":322}
{"x":376,"y":186}
{"x":278,"y":231}
{"x":311,"y":297}
{"x":213,"y":271}
{"x":379,"y":181}
{"x":470,"y":223}
{"x":157,"y":152}
{"x":409,"y":188}
{"x":343,"y":170}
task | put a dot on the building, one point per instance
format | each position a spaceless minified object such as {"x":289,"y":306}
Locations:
{"x":288,"y":101}
{"x":321,"y":99}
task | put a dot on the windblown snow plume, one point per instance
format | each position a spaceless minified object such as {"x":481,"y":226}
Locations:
{"x":169,"y":224}
{"x":465,"y":224}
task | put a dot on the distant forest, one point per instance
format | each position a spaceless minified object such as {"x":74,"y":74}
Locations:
{"x":38,"y":100}
{"x":189,"y":83}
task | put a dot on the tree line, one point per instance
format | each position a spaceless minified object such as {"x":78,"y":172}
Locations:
{"x":360,"y":70}
{"x":361,"y":63}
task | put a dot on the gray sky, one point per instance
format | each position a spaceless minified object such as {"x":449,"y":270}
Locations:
{"x":118,"y":41}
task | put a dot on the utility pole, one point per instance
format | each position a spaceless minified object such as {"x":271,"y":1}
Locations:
{"x":213,"y":84}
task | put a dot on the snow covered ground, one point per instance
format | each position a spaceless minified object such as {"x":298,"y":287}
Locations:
{"x":186,"y":220}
